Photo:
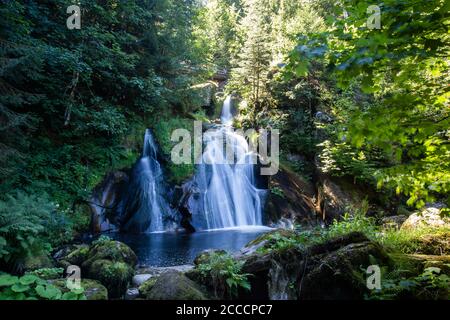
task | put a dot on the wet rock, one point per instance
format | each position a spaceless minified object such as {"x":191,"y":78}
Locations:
{"x":132,"y":294}
{"x":104,"y":200}
{"x":139,"y":279}
{"x":171,"y":285}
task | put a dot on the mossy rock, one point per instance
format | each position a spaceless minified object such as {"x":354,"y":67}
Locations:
{"x":110,"y":250}
{"x":145,"y":288}
{"x":93,"y":290}
{"x":337,"y":268}
{"x":72,"y":255}
{"x":171,"y":285}
{"x":267,"y":237}
{"x":205,"y":256}
{"x":38,"y":262}
{"x":114,"y":275}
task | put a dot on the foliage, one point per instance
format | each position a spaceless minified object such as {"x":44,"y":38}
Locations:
{"x":423,"y":240}
{"x":103,"y":239}
{"x":74,"y":103}
{"x":31,"y":287}
{"x":431,"y":284}
{"x":48,"y":273}
{"x":28,"y":227}
{"x":163,"y":129}
{"x":404,"y":66}
{"x":225,"y":273}
{"x":277,"y":191}
{"x":216,"y":34}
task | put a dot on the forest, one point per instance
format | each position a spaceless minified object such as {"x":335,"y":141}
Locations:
{"x":354,"y":94}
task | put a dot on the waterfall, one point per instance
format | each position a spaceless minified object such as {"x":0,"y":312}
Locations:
{"x":226,"y":116}
{"x":227,"y":193}
{"x":144,"y":206}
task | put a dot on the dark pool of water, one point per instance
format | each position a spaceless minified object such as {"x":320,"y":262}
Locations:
{"x":170,"y":249}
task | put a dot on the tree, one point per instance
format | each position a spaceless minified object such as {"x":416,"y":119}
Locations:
{"x":405,"y":67}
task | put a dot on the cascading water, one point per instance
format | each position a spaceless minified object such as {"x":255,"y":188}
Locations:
{"x":227,"y":193}
{"x":144,"y":205}
{"x":226,"y":117}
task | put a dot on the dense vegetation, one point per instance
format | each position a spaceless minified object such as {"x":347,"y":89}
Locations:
{"x":370,"y":105}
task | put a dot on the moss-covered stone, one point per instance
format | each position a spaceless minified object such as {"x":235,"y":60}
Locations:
{"x":205,"y":256}
{"x":171,"y":285}
{"x":145,"y":288}
{"x":93,"y":290}
{"x":115,"y":275}
{"x":35,"y":262}
{"x":110,"y":250}
{"x":72,"y":255}
{"x":270,"y":235}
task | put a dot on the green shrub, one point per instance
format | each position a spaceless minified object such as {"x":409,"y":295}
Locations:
{"x":48,"y":273}
{"x":31,"y":287}
{"x":225,"y":273}
{"x":29,"y":226}
{"x":431,"y":284}
{"x":424,"y":240}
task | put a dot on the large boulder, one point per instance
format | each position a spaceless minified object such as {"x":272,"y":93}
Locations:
{"x":430,"y":217}
{"x":108,"y":261}
{"x":291,"y":199}
{"x":38,"y":261}
{"x":115,"y":275}
{"x":331,"y":270}
{"x":336,"y":268}
{"x":336,"y":196}
{"x":112,"y":263}
{"x":110,"y":250}
{"x":171,"y":285}
{"x":71,"y":255}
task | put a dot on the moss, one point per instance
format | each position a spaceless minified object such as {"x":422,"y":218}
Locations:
{"x":205,"y":256}
{"x":145,"y":288}
{"x":111,"y":250}
{"x":93,"y":290}
{"x":73,"y":255}
{"x":38,"y":262}
{"x":430,"y":241}
{"x":114,"y":275}
{"x":172,"y":286}
{"x":269,"y":236}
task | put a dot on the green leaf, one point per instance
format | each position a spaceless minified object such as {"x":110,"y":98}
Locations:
{"x":7,"y":280}
{"x":48,"y":292}
{"x":69,"y":296}
{"x":18,"y":287}
{"x":28,"y":279}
